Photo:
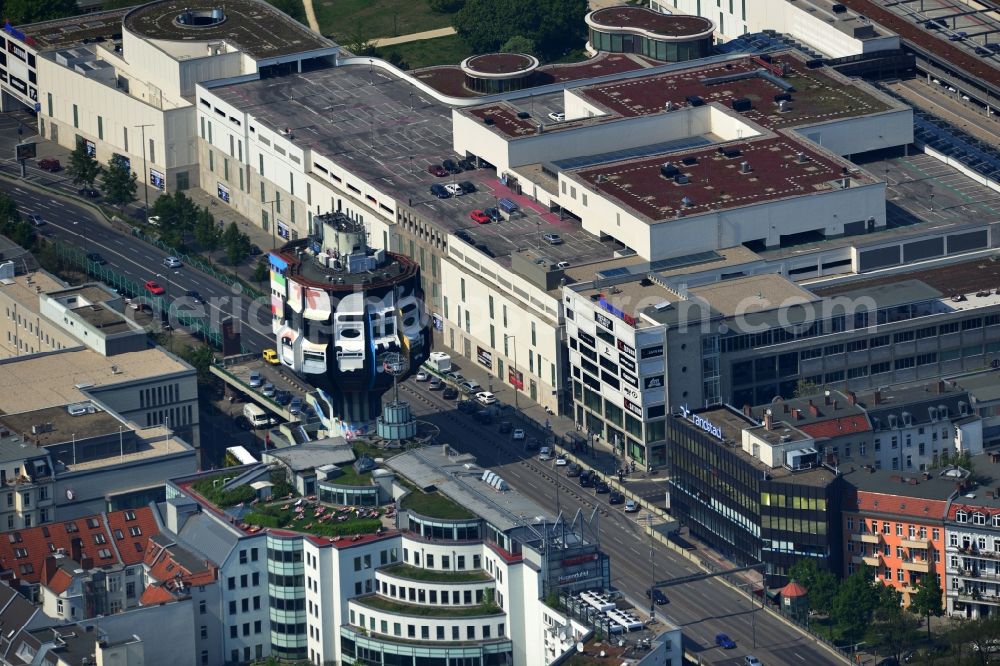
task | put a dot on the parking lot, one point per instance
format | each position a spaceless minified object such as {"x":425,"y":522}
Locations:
{"x":237,"y":376}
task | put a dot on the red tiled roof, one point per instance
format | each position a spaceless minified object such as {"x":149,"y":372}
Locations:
{"x":59,"y":582}
{"x":23,"y":552}
{"x":165,"y":568}
{"x":962,"y":504}
{"x":842,"y":425}
{"x":132,"y":530}
{"x":155,"y":594}
{"x":900,"y":505}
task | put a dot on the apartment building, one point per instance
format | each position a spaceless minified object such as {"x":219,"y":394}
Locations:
{"x":972,"y":547}
{"x":80,"y":568}
{"x":896,"y":427}
{"x":895,"y":524}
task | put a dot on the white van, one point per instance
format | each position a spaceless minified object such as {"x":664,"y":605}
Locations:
{"x":255,"y":415}
{"x":439,"y":361}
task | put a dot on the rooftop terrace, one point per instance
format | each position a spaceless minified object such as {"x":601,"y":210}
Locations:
{"x":59,"y":425}
{"x":255,"y":27}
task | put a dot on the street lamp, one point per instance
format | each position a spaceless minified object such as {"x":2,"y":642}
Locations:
{"x":273,"y":223}
{"x":516,"y":390}
{"x":145,"y":172}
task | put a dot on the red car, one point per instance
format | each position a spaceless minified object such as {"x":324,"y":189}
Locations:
{"x":153,"y":287}
{"x":479,"y":217}
{"x":49,"y":164}
{"x":437,"y":170}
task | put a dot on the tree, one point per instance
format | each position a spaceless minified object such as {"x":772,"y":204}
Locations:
{"x":118,"y":183}
{"x":555,"y":26}
{"x":485,"y":25}
{"x":892,"y":630}
{"x":32,"y":11}
{"x":446,"y":6}
{"x":83,"y":167}
{"x":855,"y":603}
{"x":926,"y":600}
{"x":805,"y":388}
{"x":979,"y":636}
{"x":261,"y":271}
{"x":819,"y":583}
{"x":518,"y":44}
{"x":206,"y":231}
{"x":293,"y":8}
{"x":236,"y":244}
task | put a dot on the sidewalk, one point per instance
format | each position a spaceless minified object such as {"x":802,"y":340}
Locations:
{"x":412,"y":37}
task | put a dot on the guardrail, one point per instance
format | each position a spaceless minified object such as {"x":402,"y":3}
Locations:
{"x":131,"y":288}
{"x":196,"y":261}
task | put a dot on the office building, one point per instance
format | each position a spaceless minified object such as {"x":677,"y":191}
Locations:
{"x":756,"y":491}
{"x":453,"y":574}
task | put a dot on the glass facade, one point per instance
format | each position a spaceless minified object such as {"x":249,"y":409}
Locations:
{"x":490,"y":86}
{"x":658,"y":49}
{"x":348,"y":495}
{"x":287,"y":592}
{"x":444,"y":530}
{"x":357,"y":648}
{"x":723,"y":496}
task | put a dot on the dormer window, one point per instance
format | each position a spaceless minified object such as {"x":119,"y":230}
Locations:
{"x":979,"y":518}
{"x":961,"y":516}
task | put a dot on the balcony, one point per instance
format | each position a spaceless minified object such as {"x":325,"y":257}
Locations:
{"x":870,"y":560}
{"x":920,"y":566}
{"x":920,"y":544}
{"x":977,"y":597}
{"x":866,"y":537}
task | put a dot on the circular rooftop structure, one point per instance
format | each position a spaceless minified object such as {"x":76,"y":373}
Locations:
{"x":252,"y":26}
{"x":498,"y":72}
{"x":666,"y":37}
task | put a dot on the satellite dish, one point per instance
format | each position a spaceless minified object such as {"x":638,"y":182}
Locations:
{"x":562,"y":635}
{"x":621,"y":643}
{"x":603,"y":654}
{"x":579,"y":648}
{"x":70,"y":494}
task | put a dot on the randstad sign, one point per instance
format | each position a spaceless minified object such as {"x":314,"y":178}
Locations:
{"x":704,"y":424}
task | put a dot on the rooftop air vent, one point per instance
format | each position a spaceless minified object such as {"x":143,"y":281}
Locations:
{"x":745,"y":167}
{"x":742,"y":104}
{"x":669,"y":170}
{"x":687,"y":202}
{"x":689,"y":160}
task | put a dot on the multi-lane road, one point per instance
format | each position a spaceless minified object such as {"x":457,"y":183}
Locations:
{"x":702,"y":609}
{"x":80,"y":226}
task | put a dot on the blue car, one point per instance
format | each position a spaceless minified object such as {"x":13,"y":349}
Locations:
{"x":725,"y":642}
{"x":295,"y":406}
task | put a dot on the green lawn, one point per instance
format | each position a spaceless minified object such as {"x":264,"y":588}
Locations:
{"x":350,"y":477}
{"x":346,"y":20}
{"x":392,"y":606}
{"x":450,"y":50}
{"x":435,"y":505}
{"x":433,"y":575}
